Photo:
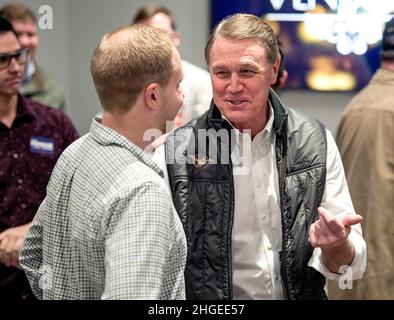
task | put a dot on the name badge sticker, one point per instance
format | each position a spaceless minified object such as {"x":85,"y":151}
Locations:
{"x":42,"y":145}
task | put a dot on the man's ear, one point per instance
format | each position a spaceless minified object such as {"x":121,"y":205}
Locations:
{"x":152,"y":95}
{"x":275,"y":69}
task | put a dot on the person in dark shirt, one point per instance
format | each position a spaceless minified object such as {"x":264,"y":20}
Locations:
{"x":32,"y":137}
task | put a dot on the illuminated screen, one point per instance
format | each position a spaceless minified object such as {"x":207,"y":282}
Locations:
{"x":329,"y":45}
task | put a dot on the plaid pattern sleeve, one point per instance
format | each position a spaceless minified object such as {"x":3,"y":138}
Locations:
{"x":32,"y":255}
{"x":137,"y":253}
{"x":107,"y":228}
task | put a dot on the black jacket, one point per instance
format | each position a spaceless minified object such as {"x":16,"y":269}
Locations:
{"x":200,"y":173}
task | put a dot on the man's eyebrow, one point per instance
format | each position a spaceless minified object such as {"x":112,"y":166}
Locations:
{"x":219,"y":66}
{"x":244,"y":64}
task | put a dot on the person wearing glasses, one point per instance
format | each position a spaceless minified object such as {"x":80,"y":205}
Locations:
{"x":32,"y":137}
{"x":37,"y":83}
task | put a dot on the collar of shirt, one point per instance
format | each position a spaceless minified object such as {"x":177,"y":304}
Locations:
{"x":24,"y":108}
{"x":106,"y":136}
{"x":24,"y":113}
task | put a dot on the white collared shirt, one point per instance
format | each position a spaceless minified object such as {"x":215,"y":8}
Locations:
{"x":256,"y":235}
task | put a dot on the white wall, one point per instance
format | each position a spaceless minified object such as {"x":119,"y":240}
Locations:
{"x":80,"y":24}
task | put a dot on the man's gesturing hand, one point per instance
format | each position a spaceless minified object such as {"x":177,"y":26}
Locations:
{"x":330,"y":233}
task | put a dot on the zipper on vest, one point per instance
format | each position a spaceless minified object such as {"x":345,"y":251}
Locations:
{"x":282,"y":177}
{"x":229,"y":233}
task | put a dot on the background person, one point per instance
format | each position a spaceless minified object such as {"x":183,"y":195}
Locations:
{"x":32,"y":137}
{"x":365,"y":140}
{"x":37,"y":83}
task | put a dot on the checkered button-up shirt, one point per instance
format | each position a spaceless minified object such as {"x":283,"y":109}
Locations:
{"x":107,"y":228}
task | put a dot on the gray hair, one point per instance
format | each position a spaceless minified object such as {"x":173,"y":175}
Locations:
{"x":245,"y":26}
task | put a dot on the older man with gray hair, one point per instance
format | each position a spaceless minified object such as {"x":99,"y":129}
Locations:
{"x":264,"y":201}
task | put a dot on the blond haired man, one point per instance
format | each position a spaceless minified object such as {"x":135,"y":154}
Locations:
{"x":107,"y":228}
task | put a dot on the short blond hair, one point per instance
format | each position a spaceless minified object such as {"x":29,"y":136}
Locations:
{"x":245,"y":26}
{"x":128,"y":59}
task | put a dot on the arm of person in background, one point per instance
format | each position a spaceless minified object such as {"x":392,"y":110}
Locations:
{"x":203,"y":96}
{"x":197,"y":89}
{"x":11,"y":241}
{"x":336,"y":235}
{"x":30,"y":257}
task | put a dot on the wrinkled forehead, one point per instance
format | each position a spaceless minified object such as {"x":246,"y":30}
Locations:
{"x":226,"y":47}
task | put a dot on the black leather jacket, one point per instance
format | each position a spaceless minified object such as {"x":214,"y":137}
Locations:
{"x":203,"y":194}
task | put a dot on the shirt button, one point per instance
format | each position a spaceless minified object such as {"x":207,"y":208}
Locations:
{"x":269,"y":248}
{"x":16,"y":156}
{"x":264,"y":218}
{"x":20,"y":181}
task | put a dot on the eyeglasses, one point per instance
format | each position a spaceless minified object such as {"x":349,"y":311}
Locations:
{"x":20,"y":56}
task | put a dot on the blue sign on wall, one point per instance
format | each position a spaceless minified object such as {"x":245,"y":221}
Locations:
{"x":329,"y":45}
